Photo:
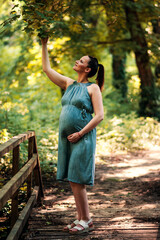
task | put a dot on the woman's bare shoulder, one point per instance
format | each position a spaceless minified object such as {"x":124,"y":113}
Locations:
{"x":93,"y":88}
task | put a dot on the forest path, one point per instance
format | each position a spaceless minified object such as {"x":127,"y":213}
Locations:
{"x":124,"y":202}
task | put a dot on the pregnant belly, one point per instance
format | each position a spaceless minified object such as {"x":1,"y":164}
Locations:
{"x":71,"y":120}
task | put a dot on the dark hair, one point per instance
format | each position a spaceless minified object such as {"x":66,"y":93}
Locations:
{"x":93,"y":64}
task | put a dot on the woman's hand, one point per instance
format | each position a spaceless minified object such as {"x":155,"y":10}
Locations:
{"x":74,"y":137}
{"x":44,"y":40}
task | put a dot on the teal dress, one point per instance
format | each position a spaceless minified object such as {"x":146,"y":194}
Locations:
{"x":76,"y":161}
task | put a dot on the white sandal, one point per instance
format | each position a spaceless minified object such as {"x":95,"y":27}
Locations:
{"x":68,"y":227}
{"x":84,"y":227}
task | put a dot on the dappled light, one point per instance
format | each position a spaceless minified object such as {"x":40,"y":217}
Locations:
{"x":130,"y":168}
{"x":147,"y":206}
{"x":135,"y":85}
{"x":127,"y":217}
{"x":118,"y":204}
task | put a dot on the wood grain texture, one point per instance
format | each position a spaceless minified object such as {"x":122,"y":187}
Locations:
{"x":11,"y":187}
{"x":21,"y":221}
{"x":15,"y":141}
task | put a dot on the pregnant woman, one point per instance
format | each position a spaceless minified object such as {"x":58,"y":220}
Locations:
{"x":77,"y":132}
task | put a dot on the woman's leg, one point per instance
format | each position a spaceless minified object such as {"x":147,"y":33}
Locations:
{"x":81,"y":200}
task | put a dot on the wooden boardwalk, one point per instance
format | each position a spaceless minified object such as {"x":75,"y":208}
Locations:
{"x":124,"y":202}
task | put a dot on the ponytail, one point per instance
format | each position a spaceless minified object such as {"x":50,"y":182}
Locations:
{"x":100,"y":77}
{"x":93,"y":64}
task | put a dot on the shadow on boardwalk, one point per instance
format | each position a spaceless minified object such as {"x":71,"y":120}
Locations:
{"x":124,"y":202}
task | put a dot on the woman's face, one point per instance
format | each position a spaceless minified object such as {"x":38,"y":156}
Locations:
{"x":81,"y":65}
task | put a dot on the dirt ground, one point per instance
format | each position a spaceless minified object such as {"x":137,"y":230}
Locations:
{"x":124,"y":203}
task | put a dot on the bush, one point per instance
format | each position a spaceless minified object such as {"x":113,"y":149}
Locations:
{"x":128,"y":133}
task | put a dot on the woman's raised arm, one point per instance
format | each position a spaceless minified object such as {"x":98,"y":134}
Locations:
{"x":60,"y":80}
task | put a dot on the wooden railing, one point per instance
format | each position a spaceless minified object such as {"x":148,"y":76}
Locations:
{"x":10,"y":189}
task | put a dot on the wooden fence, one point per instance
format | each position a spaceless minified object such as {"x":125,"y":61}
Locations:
{"x":19,"y":176}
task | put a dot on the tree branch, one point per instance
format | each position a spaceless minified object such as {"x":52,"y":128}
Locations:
{"x":115,"y":41}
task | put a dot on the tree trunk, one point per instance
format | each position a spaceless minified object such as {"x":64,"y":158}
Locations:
{"x":148,"y":106}
{"x":156,"y":26}
{"x":119,"y":78}
{"x":156,"y":30}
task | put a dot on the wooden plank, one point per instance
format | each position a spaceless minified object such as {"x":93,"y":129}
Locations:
{"x":84,"y":236}
{"x":103,"y":228}
{"x":13,"y":142}
{"x":19,"y":225}
{"x":15,"y":169}
{"x":10,"y":188}
{"x":62,"y":233}
{"x":101,"y":231}
{"x":106,"y":224}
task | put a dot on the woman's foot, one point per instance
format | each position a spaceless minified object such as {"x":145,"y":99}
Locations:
{"x":81,"y":227}
{"x":68,"y":227}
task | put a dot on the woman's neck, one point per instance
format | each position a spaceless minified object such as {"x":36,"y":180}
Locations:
{"x":82,"y":79}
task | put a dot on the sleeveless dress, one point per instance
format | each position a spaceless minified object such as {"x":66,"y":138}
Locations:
{"x":76,"y":161}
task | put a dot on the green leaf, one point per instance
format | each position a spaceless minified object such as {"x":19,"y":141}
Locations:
{"x":41,"y":14}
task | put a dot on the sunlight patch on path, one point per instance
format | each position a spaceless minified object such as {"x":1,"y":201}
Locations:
{"x":130,"y":166}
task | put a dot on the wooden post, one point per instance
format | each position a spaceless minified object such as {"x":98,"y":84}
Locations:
{"x":15,"y":169}
{"x":30,"y":155}
{"x":37,"y":172}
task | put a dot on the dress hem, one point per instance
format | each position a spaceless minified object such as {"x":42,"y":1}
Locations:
{"x":71,"y":180}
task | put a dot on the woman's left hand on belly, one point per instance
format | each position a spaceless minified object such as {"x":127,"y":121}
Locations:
{"x":74,"y":137}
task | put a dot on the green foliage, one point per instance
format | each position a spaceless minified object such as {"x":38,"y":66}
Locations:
{"x":48,"y":150}
{"x":128,"y":133}
{"x":44,"y":16}
{"x":150,"y":102}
